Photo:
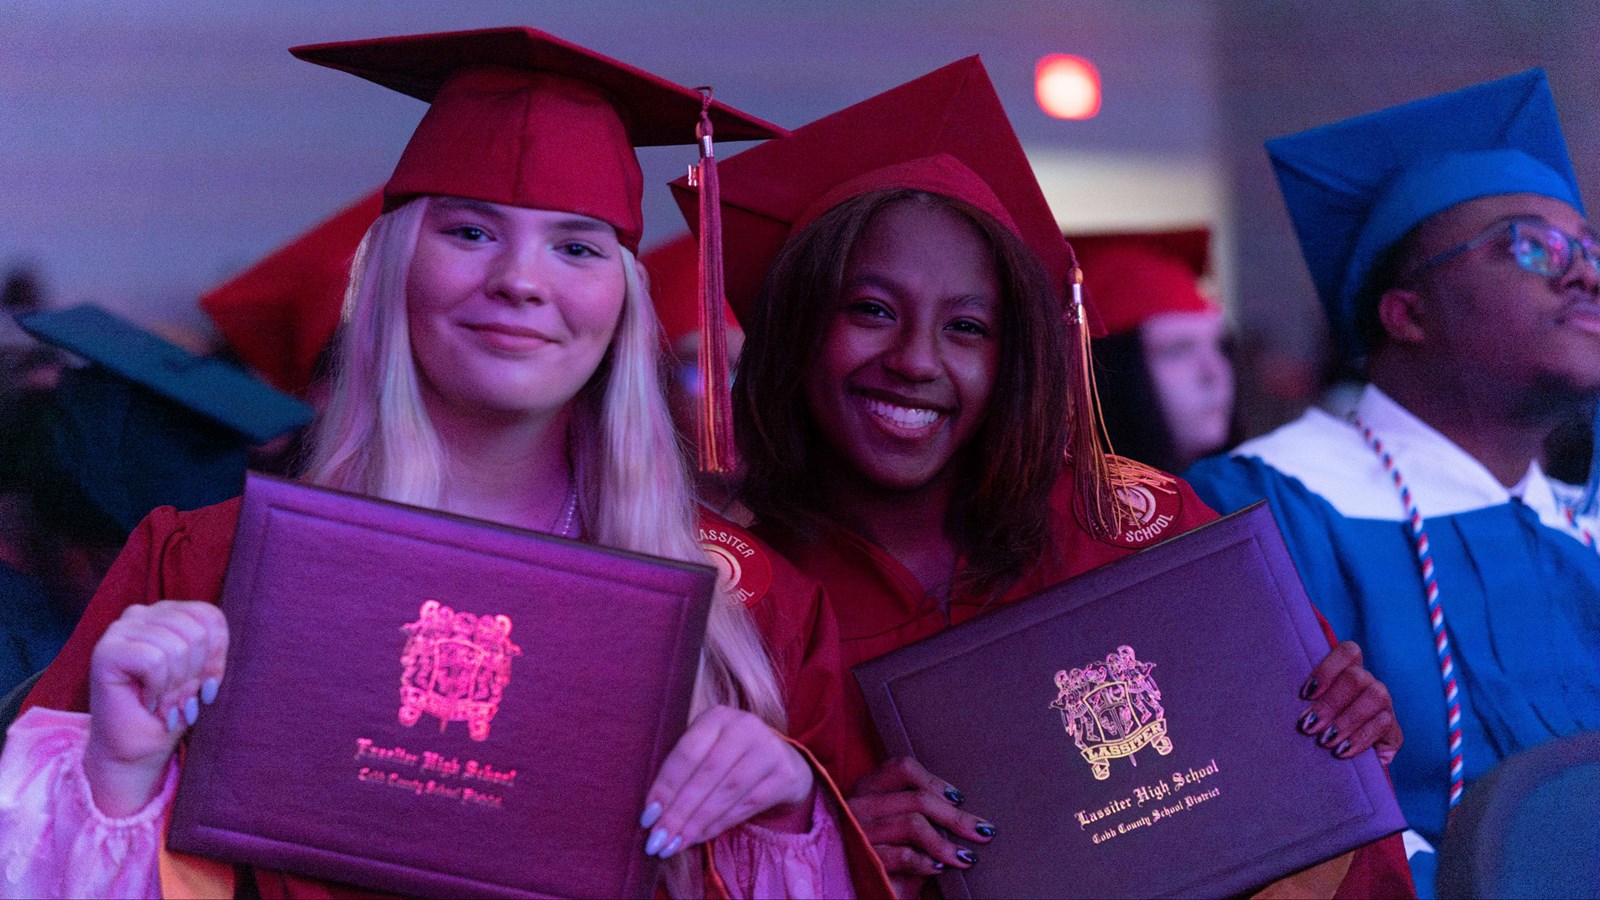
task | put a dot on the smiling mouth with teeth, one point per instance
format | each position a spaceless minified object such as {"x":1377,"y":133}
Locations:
{"x":902,"y":416}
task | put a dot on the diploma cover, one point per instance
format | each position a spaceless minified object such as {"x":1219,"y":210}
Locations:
{"x":425,"y":704}
{"x":1132,"y":732}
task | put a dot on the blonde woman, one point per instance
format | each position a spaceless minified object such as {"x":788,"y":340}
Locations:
{"x":499,"y":362}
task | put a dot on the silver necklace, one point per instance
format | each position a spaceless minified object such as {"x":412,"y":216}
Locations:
{"x":567,"y":520}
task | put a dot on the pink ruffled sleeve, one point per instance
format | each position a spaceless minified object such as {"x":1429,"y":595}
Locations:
{"x":53,"y":841}
{"x":758,"y":862}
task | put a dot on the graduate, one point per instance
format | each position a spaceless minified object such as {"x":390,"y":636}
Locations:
{"x":499,"y":361}
{"x":1163,"y":366}
{"x":902,"y":411}
{"x":1450,"y":251}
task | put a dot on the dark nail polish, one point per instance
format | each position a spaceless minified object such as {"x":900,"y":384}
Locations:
{"x":1342,"y":748}
{"x":938,"y":866}
{"x":984,"y":829}
{"x":1327,"y":736}
{"x":1308,"y":721}
{"x":955,"y":796}
{"x":966,"y":856}
{"x":1309,"y":689}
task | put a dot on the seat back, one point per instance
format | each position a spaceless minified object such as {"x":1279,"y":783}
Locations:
{"x":1529,"y":828}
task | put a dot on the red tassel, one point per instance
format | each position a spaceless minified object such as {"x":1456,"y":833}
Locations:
{"x":716,"y":449}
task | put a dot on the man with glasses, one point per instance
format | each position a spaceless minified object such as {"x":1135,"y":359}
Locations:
{"x":1449,"y":247}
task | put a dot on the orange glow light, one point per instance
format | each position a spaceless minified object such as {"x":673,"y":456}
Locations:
{"x":1068,"y":87}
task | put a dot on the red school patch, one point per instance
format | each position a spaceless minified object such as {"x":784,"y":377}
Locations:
{"x":1155,"y":508}
{"x":743,"y":569}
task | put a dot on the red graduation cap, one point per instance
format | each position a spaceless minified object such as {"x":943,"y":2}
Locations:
{"x":945,"y":133}
{"x":521,"y":117}
{"x":1132,"y":276}
{"x":280,"y":313}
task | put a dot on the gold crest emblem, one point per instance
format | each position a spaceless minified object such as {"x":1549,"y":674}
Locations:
{"x":1112,"y":709}
{"x":456,"y":666}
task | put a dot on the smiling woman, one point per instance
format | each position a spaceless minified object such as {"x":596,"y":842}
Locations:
{"x":912,"y":346}
{"x":510,"y":308}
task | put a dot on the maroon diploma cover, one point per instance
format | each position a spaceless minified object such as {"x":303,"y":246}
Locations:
{"x":1132,"y":732}
{"x":425,"y":704}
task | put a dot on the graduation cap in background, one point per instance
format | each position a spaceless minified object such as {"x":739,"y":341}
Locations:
{"x":280,"y":314}
{"x":524,"y":118}
{"x":673,"y":266}
{"x":146,"y":424}
{"x":1132,"y":276}
{"x":1354,"y":188}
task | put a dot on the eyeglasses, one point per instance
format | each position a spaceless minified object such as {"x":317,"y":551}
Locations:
{"x":1535,"y":245}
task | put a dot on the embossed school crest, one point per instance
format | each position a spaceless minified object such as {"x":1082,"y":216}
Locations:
{"x":1112,"y":709}
{"x":455,"y":666}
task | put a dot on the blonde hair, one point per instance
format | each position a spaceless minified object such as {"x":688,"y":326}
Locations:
{"x":375,"y":438}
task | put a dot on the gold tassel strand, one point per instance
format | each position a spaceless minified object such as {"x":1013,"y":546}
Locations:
{"x":1100,"y":508}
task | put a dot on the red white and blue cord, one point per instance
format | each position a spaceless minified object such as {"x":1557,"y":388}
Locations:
{"x":1572,"y":520}
{"x":1430,"y":583}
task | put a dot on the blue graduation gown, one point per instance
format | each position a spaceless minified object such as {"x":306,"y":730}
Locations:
{"x":1519,"y":587}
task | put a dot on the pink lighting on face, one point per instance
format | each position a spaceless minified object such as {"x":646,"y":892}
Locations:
{"x":1068,"y":87}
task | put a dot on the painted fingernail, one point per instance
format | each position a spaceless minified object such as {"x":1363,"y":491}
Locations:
{"x":1343,"y":747}
{"x":966,"y":856}
{"x":984,"y":829}
{"x":208,"y":690}
{"x":191,"y":710}
{"x":650,"y":815}
{"x":1328,"y":736}
{"x":954,"y":796}
{"x":1308,"y":720}
{"x":1309,"y":690}
{"x":672,"y":847}
{"x":172,"y":719}
{"x":938,"y":866}
{"x":658,"y":839}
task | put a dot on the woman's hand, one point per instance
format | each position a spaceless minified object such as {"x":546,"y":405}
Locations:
{"x":1350,"y":709}
{"x":901,"y":807}
{"x":728,"y":768}
{"x":148,"y":676}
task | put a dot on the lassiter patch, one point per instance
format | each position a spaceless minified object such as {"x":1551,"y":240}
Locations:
{"x":1150,"y":502}
{"x":743,"y":569}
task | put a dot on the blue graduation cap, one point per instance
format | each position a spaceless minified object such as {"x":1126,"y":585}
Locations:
{"x":1355,"y":187}
{"x":217,"y":390}
{"x":148,"y":424}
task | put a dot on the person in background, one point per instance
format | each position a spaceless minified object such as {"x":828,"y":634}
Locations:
{"x":1449,"y":247}
{"x":500,"y":363}
{"x":903,"y":404}
{"x":1164,"y":366}
{"x":143,"y":424}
